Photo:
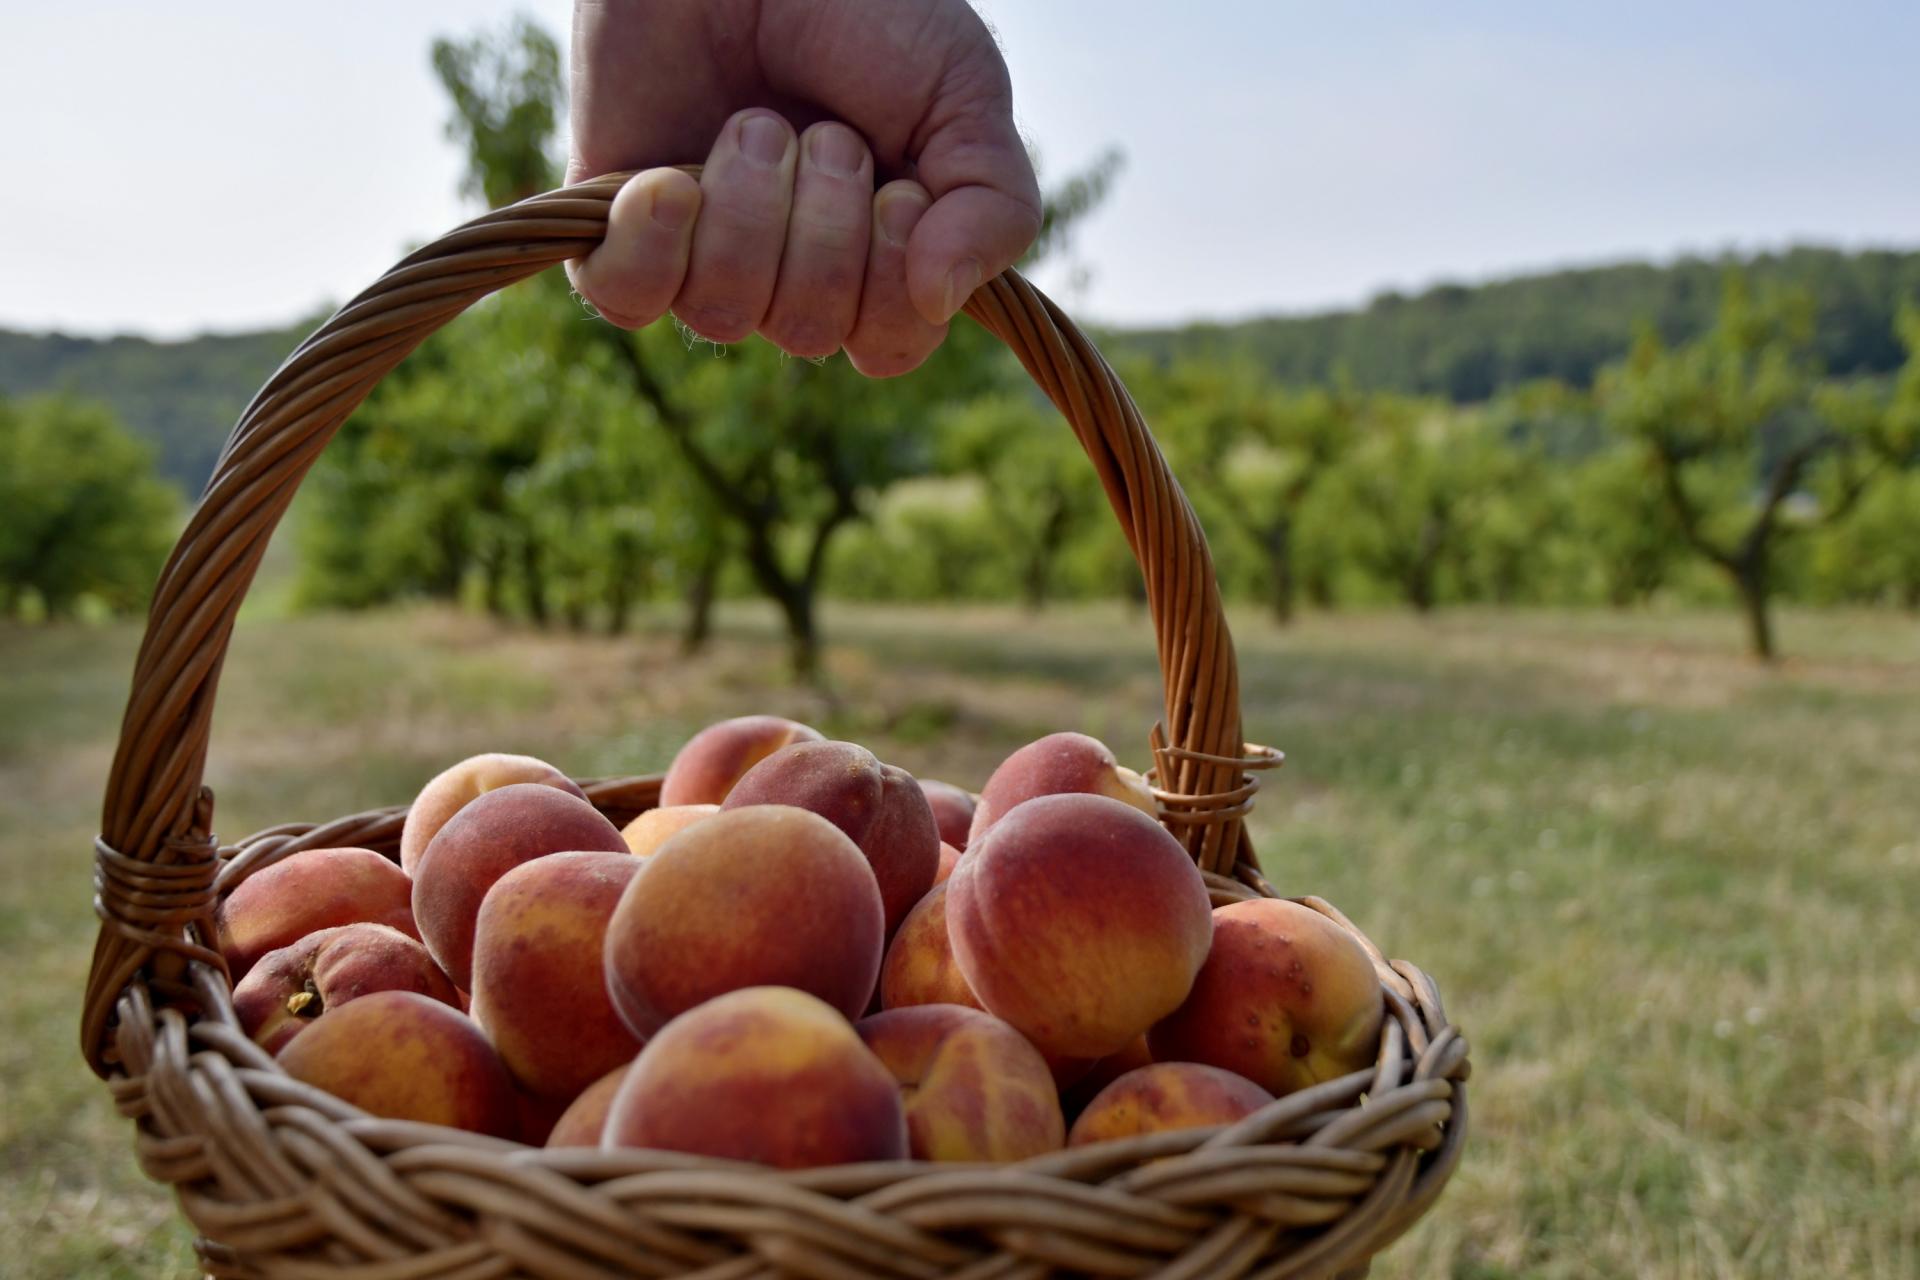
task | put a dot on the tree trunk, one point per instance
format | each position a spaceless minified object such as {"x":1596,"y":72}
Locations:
{"x":699,"y":625}
{"x":628,"y":570}
{"x":1039,"y":575}
{"x":1419,"y":587}
{"x":1751,"y":581}
{"x":1910,"y":595}
{"x":803,"y":637}
{"x":495,"y":595}
{"x":1319,"y":586}
{"x":533,"y":581}
{"x":1280,"y":568}
{"x":1425,"y":563}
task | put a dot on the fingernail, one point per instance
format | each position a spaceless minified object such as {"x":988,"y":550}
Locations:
{"x":898,"y":215}
{"x":835,"y":151}
{"x":673,"y":204}
{"x":764,"y":139}
{"x":961,"y":284}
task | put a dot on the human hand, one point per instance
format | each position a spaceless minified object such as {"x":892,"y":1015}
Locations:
{"x":785,"y":235}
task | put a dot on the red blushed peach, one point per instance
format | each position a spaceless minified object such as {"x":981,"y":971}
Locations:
{"x":655,"y":827}
{"x":716,"y":757}
{"x":1164,"y":1096}
{"x":404,"y":1056}
{"x":311,"y":890}
{"x":1287,"y":999}
{"x":473,"y":777}
{"x":1058,"y":764}
{"x":488,"y":838}
{"x":973,"y":1088}
{"x":766,"y":1074}
{"x":949,"y":859}
{"x":1079,"y":920}
{"x":539,"y":988}
{"x":763,"y":896}
{"x":919,"y":967}
{"x":880,"y":807}
{"x":583,"y":1122}
{"x":952,"y":810}
{"x":293,"y":987}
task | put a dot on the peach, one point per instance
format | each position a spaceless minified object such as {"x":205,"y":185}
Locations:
{"x":491,"y":836}
{"x":473,"y":777}
{"x":581,"y":1124}
{"x":1287,"y":999}
{"x":879,"y":806}
{"x":952,"y":810}
{"x":715,"y":758}
{"x":655,"y":827}
{"x":973,"y":1088}
{"x":405,"y":1056}
{"x":919,"y":967}
{"x":539,"y":987}
{"x":767,"y":895}
{"x":1058,"y":764}
{"x":292,"y":987}
{"x":1079,"y":920}
{"x":949,"y":859}
{"x":766,"y":1074}
{"x":1165,"y":1096}
{"x":305,"y":892}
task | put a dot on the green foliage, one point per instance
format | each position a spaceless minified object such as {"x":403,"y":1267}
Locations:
{"x":1467,"y":343}
{"x":1405,"y":504}
{"x":496,"y":467}
{"x":507,"y":95}
{"x":180,"y":397}
{"x":1874,"y":555}
{"x":1621,"y":530}
{"x":1037,"y":491}
{"x":86,"y":520}
{"x":1254,"y":453}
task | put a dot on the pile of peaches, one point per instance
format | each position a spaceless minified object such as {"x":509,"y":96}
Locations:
{"x":802,"y":957}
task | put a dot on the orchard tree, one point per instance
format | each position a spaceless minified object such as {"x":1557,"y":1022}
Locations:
{"x":1254,"y":453}
{"x":86,"y":517}
{"x":1038,"y":489}
{"x":1729,"y":427}
{"x":1621,"y":525}
{"x":1406,"y":496}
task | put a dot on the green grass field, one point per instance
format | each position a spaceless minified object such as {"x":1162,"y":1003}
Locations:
{"x":1672,"y":898}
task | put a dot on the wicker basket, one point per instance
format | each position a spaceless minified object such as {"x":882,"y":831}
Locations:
{"x":282,"y":1180}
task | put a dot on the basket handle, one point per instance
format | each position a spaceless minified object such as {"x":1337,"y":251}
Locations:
{"x":156,"y":814}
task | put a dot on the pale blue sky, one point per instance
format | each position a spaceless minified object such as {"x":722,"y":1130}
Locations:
{"x":169,"y":169}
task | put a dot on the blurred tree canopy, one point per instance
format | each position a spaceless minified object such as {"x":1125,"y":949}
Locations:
{"x":1619,"y":436}
{"x":84,"y":517}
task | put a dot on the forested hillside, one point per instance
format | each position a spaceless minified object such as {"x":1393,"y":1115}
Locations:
{"x":1468,"y":342}
{"x":1462,"y":342}
{"x":180,"y":396}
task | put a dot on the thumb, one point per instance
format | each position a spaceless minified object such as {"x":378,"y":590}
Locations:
{"x":986,"y":203}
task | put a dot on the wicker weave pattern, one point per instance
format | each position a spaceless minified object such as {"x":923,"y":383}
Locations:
{"x":284,"y":1181}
